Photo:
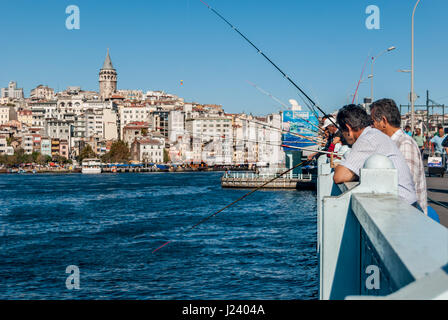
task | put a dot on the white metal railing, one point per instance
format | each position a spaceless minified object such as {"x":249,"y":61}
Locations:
{"x":371,"y":243}
{"x":264,"y":176}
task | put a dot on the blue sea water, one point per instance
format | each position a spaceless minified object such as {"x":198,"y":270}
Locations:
{"x":264,"y":247}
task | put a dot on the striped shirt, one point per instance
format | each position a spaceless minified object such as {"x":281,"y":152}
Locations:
{"x":411,"y":153}
{"x":372,"y":141}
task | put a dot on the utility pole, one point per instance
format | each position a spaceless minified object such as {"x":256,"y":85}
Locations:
{"x":412,"y":70}
{"x":427,"y":111}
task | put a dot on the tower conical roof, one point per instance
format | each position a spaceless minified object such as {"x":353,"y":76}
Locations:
{"x":108,"y":63}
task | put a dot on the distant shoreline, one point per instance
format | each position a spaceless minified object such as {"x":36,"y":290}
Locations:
{"x":78,"y":171}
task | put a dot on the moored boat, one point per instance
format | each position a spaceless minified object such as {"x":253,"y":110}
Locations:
{"x":91,"y":166}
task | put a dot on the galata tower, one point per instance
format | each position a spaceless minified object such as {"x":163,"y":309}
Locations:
{"x":108,"y":79}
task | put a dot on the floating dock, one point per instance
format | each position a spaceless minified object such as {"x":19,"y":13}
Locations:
{"x":249,"y":180}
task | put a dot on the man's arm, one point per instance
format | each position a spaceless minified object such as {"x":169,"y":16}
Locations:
{"x":311,"y":156}
{"x":342,"y":174}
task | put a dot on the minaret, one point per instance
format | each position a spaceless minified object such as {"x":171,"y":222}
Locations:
{"x":108,"y":79}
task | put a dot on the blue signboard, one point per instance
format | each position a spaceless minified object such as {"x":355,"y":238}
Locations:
{"x":303,"y":123}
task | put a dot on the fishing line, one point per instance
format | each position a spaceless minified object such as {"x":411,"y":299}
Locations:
{"x":270,"y":61}
{"x":282,"y":130}
{"x":309,"y":122}
{"x":201,"y":135}
{"x":283,"y":104}
{"x":265,"y":125}
{"x":234,"y":202}
{"x":318,"y":151}
{"x":268,"y":94}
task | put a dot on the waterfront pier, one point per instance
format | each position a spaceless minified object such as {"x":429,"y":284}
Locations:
{"x":365,"y":232}
{"x":255,"y":180}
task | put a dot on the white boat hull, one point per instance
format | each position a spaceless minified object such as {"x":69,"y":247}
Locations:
{"x":91,"y":170}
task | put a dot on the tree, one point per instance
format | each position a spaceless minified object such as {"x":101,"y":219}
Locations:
{"x":60,"y":159}
{"x":43,"y":159}
{"x":12,"y":139}
{"x":22,"y":157}
{"x":86,"y":152}
{"x":34,"y":156}
{"x":119,"y":152}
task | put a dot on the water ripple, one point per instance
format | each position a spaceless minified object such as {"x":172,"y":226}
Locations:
{"x":261,"y":248}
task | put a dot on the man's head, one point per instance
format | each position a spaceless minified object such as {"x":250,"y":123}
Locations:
{"x":352,"y":120}
{"x":418,"y":131}
{"x":407,"y":128}
{"x":440,"y":131}
{"x":385,"y":116}
{"x":329,"y":125}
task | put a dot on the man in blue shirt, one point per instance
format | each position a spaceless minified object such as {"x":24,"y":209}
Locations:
{"x":436,"y":143}
{"x":408,"y":130}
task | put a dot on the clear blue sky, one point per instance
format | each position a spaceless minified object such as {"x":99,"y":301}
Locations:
{"x":154,"y":44}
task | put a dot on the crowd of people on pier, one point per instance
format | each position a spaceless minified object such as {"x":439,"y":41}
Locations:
{"x":353,"y":135}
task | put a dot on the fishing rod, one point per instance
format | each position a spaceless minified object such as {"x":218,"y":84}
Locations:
{"x":271,"y":62}
{"x":275,"y":128}
{"x":282,"y":130}
{"x":284,"y":105}
{"x":275,"y":178}
{"x":313,"y":150}
{"x":201,"y":135}
{"x":310,"y":107}
{"x":360,"y":79}
{"x":309,"y":122}
{"x":231,"y":204}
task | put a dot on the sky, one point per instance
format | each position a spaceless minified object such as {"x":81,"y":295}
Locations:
{"x":154,"y":44}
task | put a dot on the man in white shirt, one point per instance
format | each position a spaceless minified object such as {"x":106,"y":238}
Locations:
{"x":355,"y":124}
{"x":386,"y":118}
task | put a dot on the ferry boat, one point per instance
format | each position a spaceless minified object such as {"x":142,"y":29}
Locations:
{"x":91,"y":166}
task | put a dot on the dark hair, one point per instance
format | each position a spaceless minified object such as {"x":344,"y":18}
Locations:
{"x":386,"y":108}
{"x":439,"y":127}
{"x":353,"y":115}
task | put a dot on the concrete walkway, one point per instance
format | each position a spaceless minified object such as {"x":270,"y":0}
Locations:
{"x":438,"y":191}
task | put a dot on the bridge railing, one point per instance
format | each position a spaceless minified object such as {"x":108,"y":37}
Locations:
{"x":373,"y":244}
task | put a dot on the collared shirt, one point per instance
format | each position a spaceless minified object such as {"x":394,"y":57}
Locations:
{"x":420,"y":140}
{"x":438,"y":144}
{"x":372,"y":141}
{"x":411,"y":153}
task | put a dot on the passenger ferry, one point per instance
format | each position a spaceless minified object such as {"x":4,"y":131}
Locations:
{"x":91,"y":166}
